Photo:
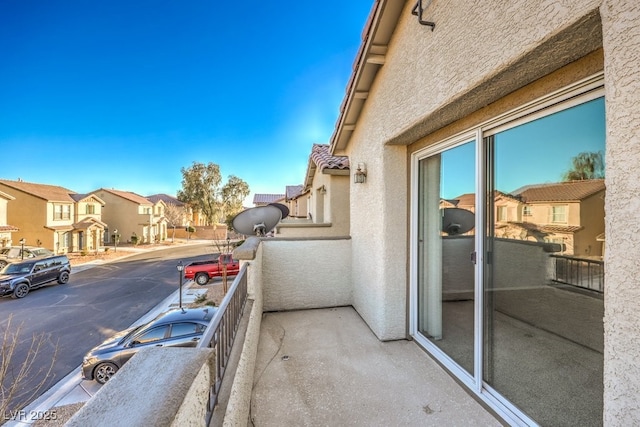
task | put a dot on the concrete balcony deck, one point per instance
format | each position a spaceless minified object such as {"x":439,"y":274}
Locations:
{"x":326,"y":367}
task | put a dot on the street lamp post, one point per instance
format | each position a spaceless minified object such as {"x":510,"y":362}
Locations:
{"x":228,"y":244}
{"x":115,"y":240}
{"x":180,"y":267}
{"x":22,"y":242}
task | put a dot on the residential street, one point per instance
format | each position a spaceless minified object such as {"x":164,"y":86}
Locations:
{"x":96,"y":303}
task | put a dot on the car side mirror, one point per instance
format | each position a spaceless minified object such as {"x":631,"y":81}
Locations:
{"x":134,"y":343}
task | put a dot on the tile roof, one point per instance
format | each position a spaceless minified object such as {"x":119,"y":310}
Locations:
{"x":560,"y":191}
{"x":8,"y":228}
{"x":265,"y":199}
{"x":293,"y":191}
{"x":548,"y":228}
{"x":88,"y":222}
{"x":324,"y":160}
{"x":128,"y":195}
{"x":51,"y":193}
{"x":167,"y":199}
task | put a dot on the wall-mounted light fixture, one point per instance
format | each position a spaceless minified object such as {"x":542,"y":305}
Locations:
{"x":360,"y":175}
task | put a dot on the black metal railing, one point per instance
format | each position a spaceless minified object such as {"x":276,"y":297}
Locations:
{"x":221,"y":333}
{"x":580,"y":272}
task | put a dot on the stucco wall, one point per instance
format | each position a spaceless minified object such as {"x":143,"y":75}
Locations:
{"x":175,"y":395}
{"x":436,"y":83}
{"x":621,"y":39}
{"x":301,"y":274}
{"x":429,"y":80}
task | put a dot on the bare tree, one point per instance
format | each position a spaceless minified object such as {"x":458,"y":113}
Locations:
{"x":21,"y":379}
{"x":175,"y":217}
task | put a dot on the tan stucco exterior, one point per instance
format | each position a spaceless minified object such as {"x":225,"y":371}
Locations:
{"x":325,"y":199}
{"x":479,"y":62}
{"x":133,"y":215}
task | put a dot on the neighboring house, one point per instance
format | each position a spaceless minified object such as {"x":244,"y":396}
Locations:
{"x":133,"y":216}
{"x":47,"y":216}
{"x":479,"y":105}
{"x":296,"y":199}
{"x":88,"y":228}
{"x":327,"y":185}
{"x":570,"y":214}
{"x":5,"y":229}
{"x":187,"y":217}
{"x":266,"y":199}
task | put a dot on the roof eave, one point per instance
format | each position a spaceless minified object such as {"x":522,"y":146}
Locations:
{"x":378,"y":30}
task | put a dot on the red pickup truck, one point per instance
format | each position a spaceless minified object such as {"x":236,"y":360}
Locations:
{"x":203,"y":271}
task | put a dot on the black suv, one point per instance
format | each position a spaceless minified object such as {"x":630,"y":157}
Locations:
{"x":19,"y":278}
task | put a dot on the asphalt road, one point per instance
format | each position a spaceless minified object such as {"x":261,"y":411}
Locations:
{"x":96,"y":303}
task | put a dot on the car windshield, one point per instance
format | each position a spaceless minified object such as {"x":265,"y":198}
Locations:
{"x":24,"y":267}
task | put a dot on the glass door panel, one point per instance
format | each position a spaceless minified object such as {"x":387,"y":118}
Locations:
{"x":543,"y":277}
{"x":446,"y":242}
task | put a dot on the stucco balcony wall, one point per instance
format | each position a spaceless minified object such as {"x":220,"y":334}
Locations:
{"x":306,"y":273}
{"x":175,"y":395}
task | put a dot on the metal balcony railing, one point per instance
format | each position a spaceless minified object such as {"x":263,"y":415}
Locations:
{"x":579,"y":272}
{"x":221,"y":333}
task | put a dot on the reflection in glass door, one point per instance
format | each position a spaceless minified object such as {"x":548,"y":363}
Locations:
{"x":524,"y":327}
{"x":543,"y":334}
{"x":445,"y":246}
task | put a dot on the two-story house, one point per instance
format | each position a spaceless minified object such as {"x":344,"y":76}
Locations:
{"x":135,"y":217}
{"x":44,"y":214}
{"x":88,"y":227}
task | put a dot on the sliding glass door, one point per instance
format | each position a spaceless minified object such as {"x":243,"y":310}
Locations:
{"x":446,"y":229}
{"x":509,"y":270}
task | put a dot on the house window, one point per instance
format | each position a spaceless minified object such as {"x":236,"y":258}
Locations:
{"x":559,"y":214}
{"x":91,"y":209}
{"x":502,"y":213}
{"x":479,"y":318}
{"x":61,"y":212}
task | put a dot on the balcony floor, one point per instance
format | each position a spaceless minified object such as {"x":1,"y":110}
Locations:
{"x":326,"y":367}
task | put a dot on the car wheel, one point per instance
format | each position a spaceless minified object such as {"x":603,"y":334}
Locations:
{"x":3,"y":263}
{"x":104,"y":372}
{"x":63,"y":277}
{"x":202,"y":279}
{"x":21,"y":290}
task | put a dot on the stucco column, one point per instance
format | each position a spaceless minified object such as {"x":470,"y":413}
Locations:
{"x":621,"y":41}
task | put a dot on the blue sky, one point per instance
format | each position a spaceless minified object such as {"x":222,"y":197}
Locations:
{"x":536,"y":152}
{"x":122,"y":94}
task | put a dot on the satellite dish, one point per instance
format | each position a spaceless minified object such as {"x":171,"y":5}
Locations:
{"x":257,"y":221}
{"x":457,"y":221}
{"x":283,"y":208}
